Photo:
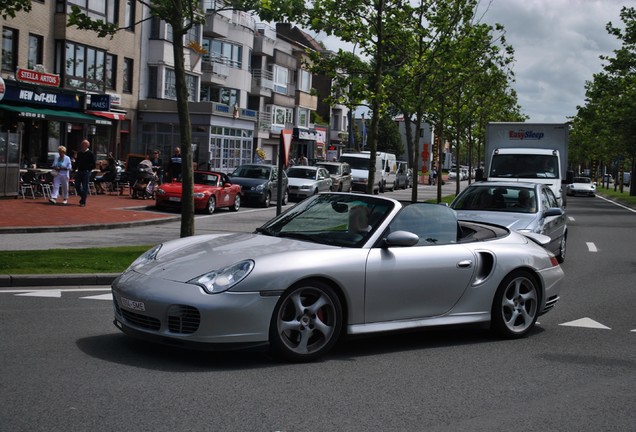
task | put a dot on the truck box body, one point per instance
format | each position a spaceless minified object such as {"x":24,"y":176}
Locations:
{"x":531,"y":152}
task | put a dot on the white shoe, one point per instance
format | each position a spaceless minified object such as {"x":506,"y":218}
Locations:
{"x":52,"y":200}
{"x":65,"y":202}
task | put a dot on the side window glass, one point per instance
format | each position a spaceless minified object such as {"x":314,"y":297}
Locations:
{"x":552,"y":201}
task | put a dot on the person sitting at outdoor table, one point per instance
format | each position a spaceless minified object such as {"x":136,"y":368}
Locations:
{"x":108,"y":176}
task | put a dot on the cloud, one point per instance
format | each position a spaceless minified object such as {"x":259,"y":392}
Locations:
{"x":557,"y":46}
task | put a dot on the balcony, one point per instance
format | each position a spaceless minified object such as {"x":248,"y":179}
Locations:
{"x":244,"y":19}
{"x":215,"y":70}
{"x":264,"y":40}
{"x":306,"y":100}
{"x":262,"y":82}
{"x":216,"y":25}
{"x":264,"y":121}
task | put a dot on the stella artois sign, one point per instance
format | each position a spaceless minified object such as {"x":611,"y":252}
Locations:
{"x":38,"y":78}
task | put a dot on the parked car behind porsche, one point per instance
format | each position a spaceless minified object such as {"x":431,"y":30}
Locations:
{"x":525,"y":207}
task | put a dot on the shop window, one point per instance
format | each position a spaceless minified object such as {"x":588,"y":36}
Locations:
{"x":9,"y":49}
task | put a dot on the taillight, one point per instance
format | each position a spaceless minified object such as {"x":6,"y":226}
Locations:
{"x":554,"y":261}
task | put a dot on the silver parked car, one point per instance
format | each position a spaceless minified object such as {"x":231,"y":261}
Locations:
{"x":525,"y":207}
{"x":306,"y":181}
{"x":336,"y":264}
{"x":340,"y":175}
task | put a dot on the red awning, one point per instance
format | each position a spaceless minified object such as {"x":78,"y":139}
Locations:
{"x":108,"y":114}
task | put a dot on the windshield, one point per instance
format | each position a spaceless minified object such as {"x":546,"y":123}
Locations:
{"x":251,"y":171}
{"x":331,"y":219}
{"x":206,"y":179}
{"x":302,"y":173}
{"x":497,"y":198}
{"x":524,"y":166}
{"x":356,"y":162}
{"x":582,"y":180}
{"x":333,"y":169}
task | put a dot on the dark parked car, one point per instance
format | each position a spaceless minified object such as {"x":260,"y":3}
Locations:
{"x":259,"y":183}
{"x":340,"y":175}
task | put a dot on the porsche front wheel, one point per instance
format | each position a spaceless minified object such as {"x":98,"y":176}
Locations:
{"x":211,"y":205}
{"x":306,"y":322}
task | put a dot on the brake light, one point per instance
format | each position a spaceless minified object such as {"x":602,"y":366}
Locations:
{"x":554,"y":261}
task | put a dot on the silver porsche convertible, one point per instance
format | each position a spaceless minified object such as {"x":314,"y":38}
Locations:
{"x":334,"y":264}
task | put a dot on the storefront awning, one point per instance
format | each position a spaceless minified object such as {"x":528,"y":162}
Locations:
{"x":51,"y":114}
{"x":108,"y":114}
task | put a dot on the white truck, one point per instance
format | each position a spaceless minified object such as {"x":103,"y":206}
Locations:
{"x":528,"y":152}
{"x":359,"y":163}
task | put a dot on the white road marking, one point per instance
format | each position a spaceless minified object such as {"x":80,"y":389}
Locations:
{"x":571,"y":218}
{"x":47,"y":293}
{"x":586,"y":323}
{"x":591,"y":247}
{"x":615,"y":203}
{"x":107,"y":296}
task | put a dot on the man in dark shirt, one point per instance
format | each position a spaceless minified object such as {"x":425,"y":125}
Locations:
{"x":85,"y":164}
{"x":175,"y":165}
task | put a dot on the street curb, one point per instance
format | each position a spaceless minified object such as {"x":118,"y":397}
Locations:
{"x":12,"y":281}
{"x":87,"y":227}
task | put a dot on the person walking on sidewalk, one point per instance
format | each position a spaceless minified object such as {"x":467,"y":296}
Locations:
{"x":175,"y":165}
{"x":85,"y":164}
{"x":61,"y":164}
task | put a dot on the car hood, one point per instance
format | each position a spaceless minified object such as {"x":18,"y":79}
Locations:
{"x":184,"y":259}
{"x":513,"y":221}
{"x":249,"y":182}
{"x":293,"y":181}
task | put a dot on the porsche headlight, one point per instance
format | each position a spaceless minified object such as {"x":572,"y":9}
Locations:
{"x":160,"y":191}
{"x":145,"y":258}
{"x":199,"y":195}
{"x":218,"y":281}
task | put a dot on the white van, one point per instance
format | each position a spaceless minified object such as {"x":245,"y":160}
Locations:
{"x":389,"y":171}
{"x":359,"y":163}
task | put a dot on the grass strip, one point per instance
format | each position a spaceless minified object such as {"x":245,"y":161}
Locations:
{"x":70,"y":261}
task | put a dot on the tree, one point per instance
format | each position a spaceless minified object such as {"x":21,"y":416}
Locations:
{"x":605,"y":127}
{"x":8,"y":8}
{"x":181,"y":15}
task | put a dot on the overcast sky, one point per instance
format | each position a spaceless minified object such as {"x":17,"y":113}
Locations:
{"x":557,"y":46}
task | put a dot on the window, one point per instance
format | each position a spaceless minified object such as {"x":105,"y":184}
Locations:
{"x":153,"y":74}
{"x":97,"y":9}
{"x":227,"y":96}
{"x":281,"y":78}
{"x":228,"y":53}
{"x":128,"y":75}
{"x":9,"y":49}
{"x":304,"y":80}
{"x":170,"y":85}
{"x":35,"y":50}
{"x":87,"y":68}
{"x":282,"y":116}
{"x":303,"y":117}
{"x":130,"y":15}
{"x":111,"y":71}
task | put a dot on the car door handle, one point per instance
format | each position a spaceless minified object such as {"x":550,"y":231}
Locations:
{"x":465,"y":264}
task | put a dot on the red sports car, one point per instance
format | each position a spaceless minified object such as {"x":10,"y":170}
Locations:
{"x":212,"y":190}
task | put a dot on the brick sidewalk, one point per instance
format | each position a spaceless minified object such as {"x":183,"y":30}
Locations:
{"x":101,"y":211}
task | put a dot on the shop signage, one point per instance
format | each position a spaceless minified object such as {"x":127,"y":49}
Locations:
{"x":37,"y":96}
{"x":39,"y":78}
{"x":99,"y":102}
{"x":115,"y":99}
{"x":3,"y":88}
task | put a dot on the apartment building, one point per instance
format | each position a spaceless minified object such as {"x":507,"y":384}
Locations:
{"x":248,"y":81}
{"x":59,"y":85}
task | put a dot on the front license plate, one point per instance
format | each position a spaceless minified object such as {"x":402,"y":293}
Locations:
{"x":134,"y":305}
{"x":175,"y":199}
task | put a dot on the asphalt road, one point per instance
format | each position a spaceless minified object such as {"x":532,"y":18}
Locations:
{"x":66,"y":367}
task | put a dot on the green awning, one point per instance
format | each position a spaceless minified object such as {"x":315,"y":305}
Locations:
{"x":54,"y":114}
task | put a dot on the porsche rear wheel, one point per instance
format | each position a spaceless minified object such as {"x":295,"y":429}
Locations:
{"x":211,"y":205}
{"x":237,"y":203}
{"x":562,"y":247}
{"x":306,"y":322}
{"x":267,"y":200}
{"x":516,"y":305}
